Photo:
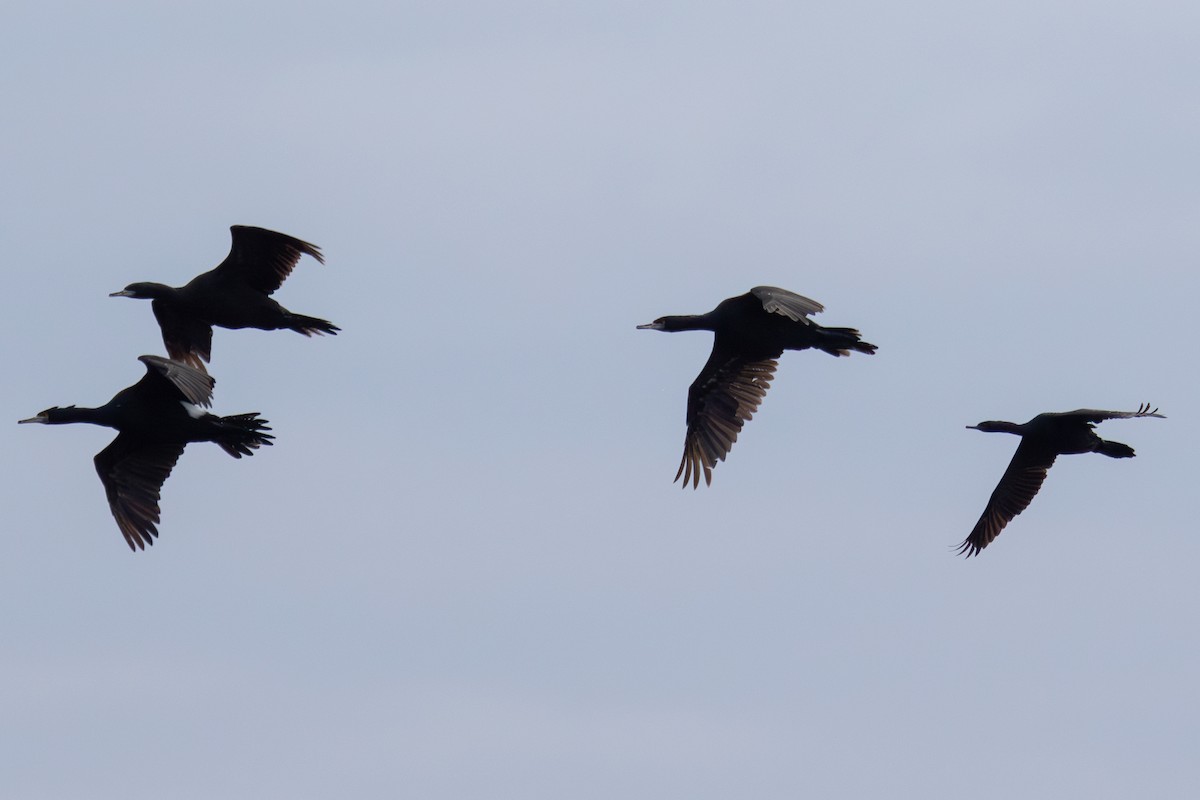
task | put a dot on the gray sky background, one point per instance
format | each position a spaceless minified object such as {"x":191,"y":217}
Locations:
{"x":463,"y":571}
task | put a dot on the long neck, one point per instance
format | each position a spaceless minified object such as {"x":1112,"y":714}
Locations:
{"x":147,"y":291}
{"x":157,"y":290}
{"x":688,"y":322}
{"x":93,"y":416}
{"x":999,"y":426}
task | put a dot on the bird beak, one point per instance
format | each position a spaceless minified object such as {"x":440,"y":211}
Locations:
{"x":38,"y":418}
{"x":122,"y":293}
{"x":972,"y":427}
{"x":651,"y":326}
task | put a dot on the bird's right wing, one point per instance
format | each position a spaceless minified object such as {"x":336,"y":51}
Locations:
{"x":133,"y":473}
{"x":263,"y":258}
{"x":196,"y":386}
{"x":795,"y":307}
{"x":1096,"y":415}
{"x":725,"y":394}
{"x":187,"y":339}
{"x":1020,"y":482}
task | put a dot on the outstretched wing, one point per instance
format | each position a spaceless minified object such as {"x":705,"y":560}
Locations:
{"x":193,"y":385}
{"x":133,"y":473}
{"x":1095,"y":415}
{"x":725,"y":394}
{"x":1017,"y":487}
{"x":187,"y":338}
{"x":791,"y":305}
{"x":264,"y":258}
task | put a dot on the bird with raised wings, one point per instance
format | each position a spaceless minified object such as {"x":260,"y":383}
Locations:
{"x":234,"y":294}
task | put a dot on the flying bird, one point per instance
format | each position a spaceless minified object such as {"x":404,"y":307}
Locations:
{"x":751,"y":331}
{"x":155,"y":418}
{"x":1043,"y":439}
{"x":234,"y":294}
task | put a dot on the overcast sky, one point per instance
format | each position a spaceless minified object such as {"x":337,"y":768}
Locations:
{"x":463,"y":570}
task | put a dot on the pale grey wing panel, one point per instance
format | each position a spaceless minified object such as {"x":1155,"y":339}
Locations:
{"x":195,"y":386}
{"x":791,"y":305}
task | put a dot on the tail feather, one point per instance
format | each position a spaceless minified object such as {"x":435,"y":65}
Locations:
{"x":310,"y":325}
{"x":242,"y":434}
{"x":1115,"y":449}
{"x":840,"y":341}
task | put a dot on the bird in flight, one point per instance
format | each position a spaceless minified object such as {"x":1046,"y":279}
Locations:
{"x":751,"y":331}
{"x":1043,"y":439}
{"x":234,"y":294}
{"x":155,"y":419}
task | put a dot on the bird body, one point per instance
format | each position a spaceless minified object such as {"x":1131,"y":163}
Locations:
{"x":743,"y":325}
{"x":155,"y":419}
{"x":750,"y":331}
{"x":234,"y":294}
{"x":1043,"y":439}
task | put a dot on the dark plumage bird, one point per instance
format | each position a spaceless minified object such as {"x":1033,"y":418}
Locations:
{"x":155,"y":418}
{"x":234,"y":294}
{"x":1043,"y":439}
{"x":752,"y":330}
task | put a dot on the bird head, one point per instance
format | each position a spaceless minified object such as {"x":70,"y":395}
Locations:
{"x":993,"y":426}
{"x":51,"y":416}
{"x":141,"y":291}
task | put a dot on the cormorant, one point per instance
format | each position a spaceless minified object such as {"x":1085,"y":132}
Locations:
{"x":155,"y":418}
{"x":1043,"y":439}
{"x":234,"y":294}
{"x":752,"y":330}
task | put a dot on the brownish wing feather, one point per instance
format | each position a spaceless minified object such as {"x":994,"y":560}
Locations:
{"x":264,"y":258}
{"x":133,"y":473}
{"x":187,"y":338}
{"x":725,"y":394}
{"x":1017,"y":487}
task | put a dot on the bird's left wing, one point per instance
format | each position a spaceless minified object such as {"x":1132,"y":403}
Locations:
{"x":724,"y":395}
{"x":133,"y":473}
{"x":1012,"y":495}
{"x":188,"y":339}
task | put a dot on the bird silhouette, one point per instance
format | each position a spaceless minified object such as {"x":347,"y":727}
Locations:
{"x":234,"y":294}
{"x":751,"y":331}
{"x":1043,"y":439}
{"x":155,"y":418}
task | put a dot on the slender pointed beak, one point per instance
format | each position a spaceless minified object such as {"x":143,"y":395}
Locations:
{"x":972,"y":427}
{"x":122,"y":293}
{"x":651,"y":326}
{"x":38,"y":418}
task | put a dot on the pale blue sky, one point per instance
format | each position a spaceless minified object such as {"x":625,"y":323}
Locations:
{"x":463,"y":571}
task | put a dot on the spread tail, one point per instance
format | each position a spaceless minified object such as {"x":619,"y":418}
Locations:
{"x":840,"y":341}
{"x":310,"y":325}
{"x":242,"y":434}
